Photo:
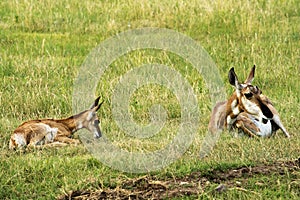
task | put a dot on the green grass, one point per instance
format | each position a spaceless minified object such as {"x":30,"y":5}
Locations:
{"x":43,"y":44}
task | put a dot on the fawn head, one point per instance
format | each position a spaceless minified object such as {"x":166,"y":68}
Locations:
{"x":89,"y":119}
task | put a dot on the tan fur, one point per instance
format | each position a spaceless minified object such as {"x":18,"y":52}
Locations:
{"x":55,"y":131}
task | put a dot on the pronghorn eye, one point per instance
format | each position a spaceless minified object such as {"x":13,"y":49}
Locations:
{"x":248,"y":95}
{"x":97,"y":121}
{"x":255,"y":90}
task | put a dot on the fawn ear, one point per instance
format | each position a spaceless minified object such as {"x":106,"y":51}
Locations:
{"x":250,"y":76}
{"x":95,"y":103}
{"x":232,"y":77}
{"x":97,"y":108}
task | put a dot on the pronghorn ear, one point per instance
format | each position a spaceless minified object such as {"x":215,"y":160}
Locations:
{"x":250,"y":76}
{"x":232,"y":77}
{"x":266,"y":110}
{"x":99,"y":106}
{"x":95,"y":103}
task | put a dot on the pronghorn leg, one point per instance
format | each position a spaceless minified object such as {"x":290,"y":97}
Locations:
{"x":48,"y":145}
{"x":246,"y":124}
{"x":37,"y":140}
{"x":43,"y":137}
{"x":63,"y":139}
{"x":277,"y":121}
{"x":41,"y":141}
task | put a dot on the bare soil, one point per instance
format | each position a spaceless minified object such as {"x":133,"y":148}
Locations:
{"x":150,"y":187}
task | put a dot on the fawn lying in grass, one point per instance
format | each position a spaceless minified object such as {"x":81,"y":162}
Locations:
{"x":56,"y":132}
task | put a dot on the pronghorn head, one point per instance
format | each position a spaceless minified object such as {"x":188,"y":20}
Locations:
{"x":248,"y":95}
{"x":89,"y":119}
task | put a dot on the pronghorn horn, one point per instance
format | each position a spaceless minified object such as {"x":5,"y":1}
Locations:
{"x":251,"y":76}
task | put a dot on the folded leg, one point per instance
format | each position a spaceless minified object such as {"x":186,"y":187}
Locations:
{"x":246,"y":125}
{"x":252,"y":126}
{"x":64,"y":139}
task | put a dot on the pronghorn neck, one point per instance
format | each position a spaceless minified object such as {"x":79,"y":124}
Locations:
{"x":74,"y":123}
{"x":234,"y":101}
{"x":233,"y":109}
{"x":70,"y":123}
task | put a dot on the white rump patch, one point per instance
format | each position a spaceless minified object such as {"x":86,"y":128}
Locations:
{"x":19,"y":139}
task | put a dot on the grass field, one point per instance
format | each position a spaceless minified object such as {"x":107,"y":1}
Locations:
{"x":43,"y":45}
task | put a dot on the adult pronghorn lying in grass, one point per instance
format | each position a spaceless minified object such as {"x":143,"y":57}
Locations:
{"x":56,"y":132}
{"x":247,"y":109}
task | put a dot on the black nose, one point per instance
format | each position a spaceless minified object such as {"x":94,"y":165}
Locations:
{"x":98,"y":135}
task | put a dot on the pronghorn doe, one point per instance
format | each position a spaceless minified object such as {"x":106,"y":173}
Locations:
{"x":247,"y":109}
{"x":56,"y":132}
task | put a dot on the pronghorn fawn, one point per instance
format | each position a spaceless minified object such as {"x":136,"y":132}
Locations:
{"x":56,"y":132}
{"x":247,"y":109}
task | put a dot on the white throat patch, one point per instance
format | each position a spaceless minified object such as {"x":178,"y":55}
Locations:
{"x":235,"y":109}
{"x":252,"y":108}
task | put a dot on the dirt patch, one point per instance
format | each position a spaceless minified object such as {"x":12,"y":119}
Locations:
{"x":149,"y":187}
